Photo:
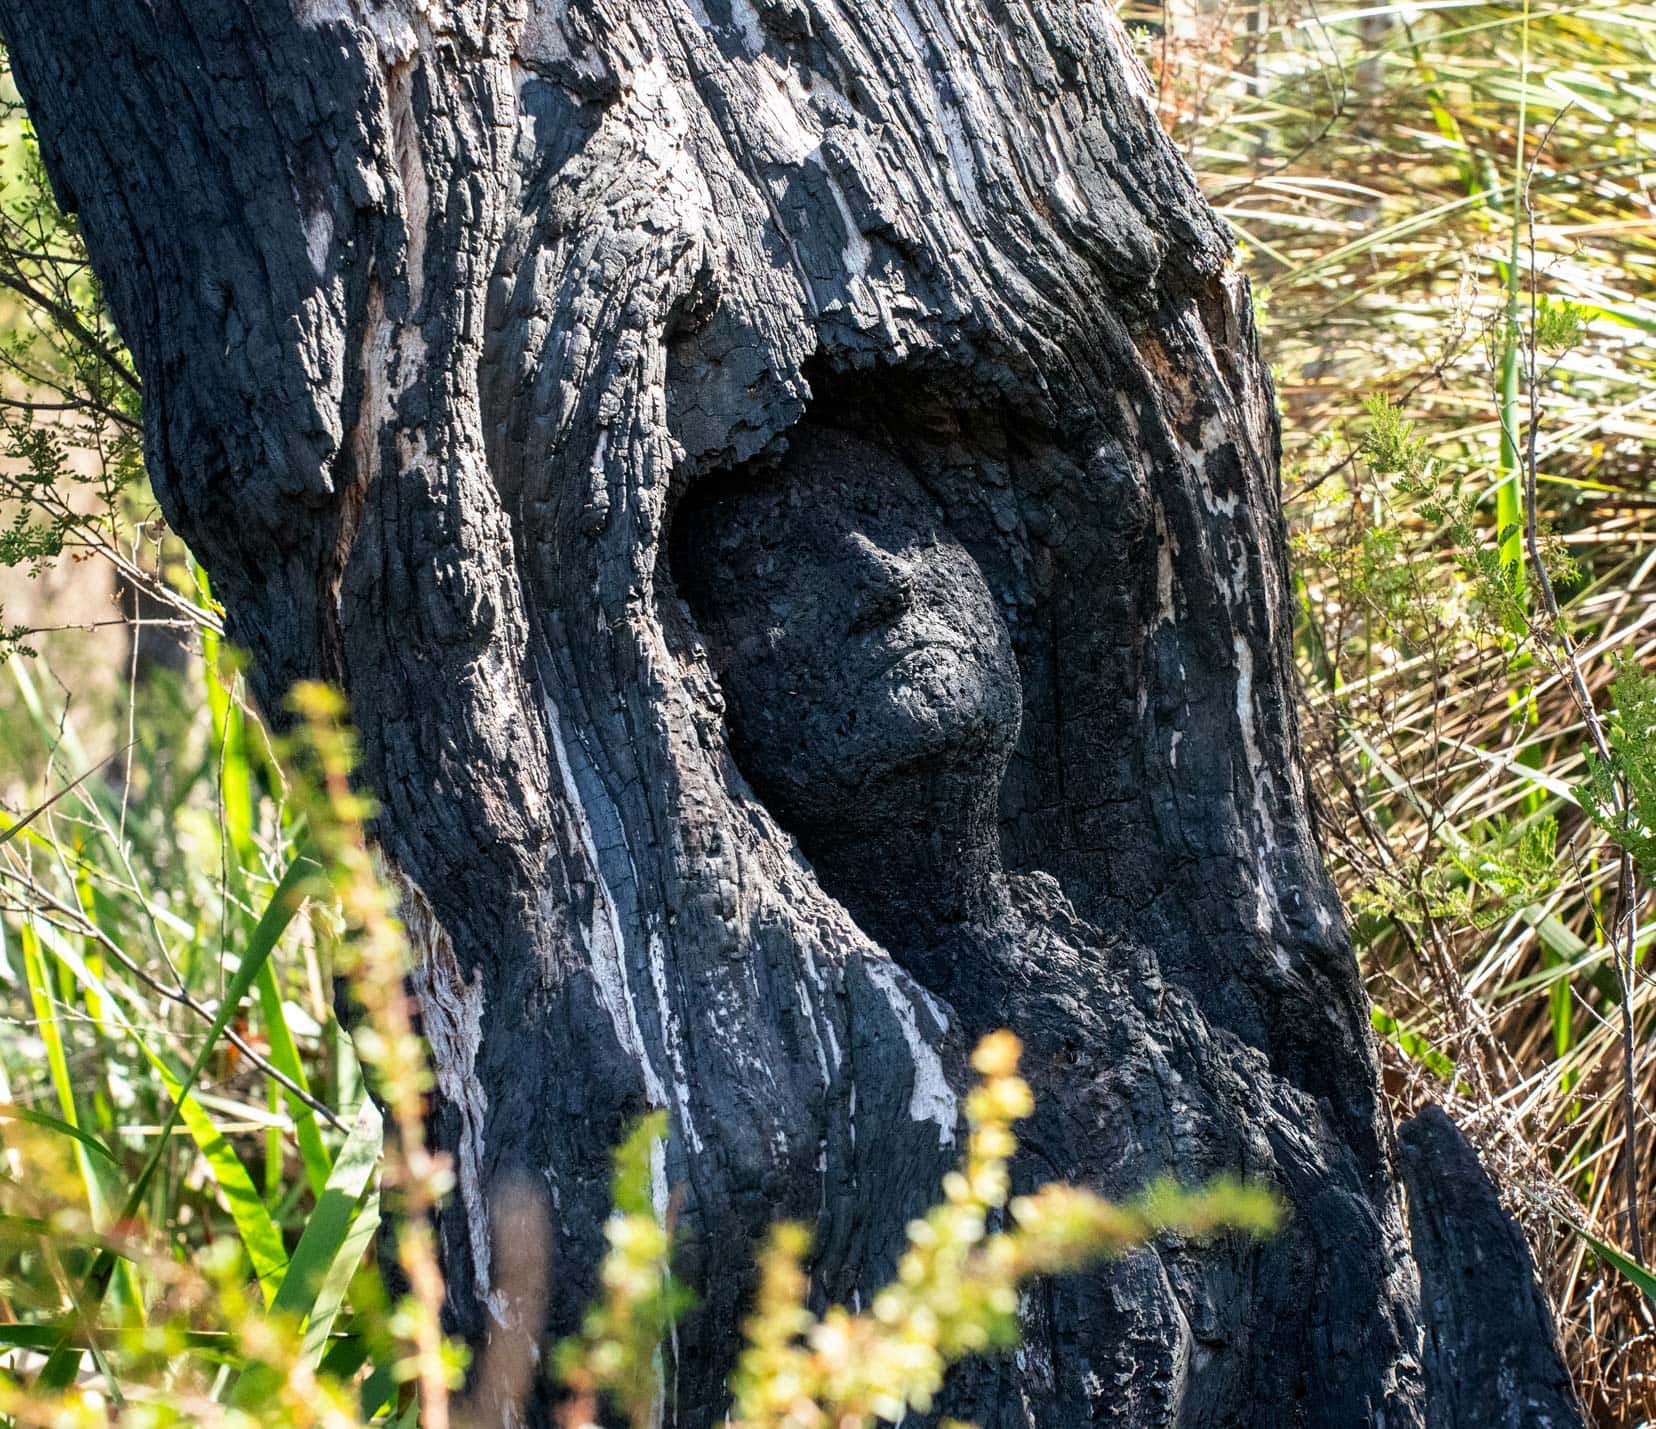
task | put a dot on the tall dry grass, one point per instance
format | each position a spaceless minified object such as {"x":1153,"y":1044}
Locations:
{"x":1450,"y":204}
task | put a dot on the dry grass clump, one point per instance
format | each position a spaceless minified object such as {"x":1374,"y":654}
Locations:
{"x":1450,"y":207}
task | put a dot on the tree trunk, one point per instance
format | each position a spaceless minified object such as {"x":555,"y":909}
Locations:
{"x":447,"y":310}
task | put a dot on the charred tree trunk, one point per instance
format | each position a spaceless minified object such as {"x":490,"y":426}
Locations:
{"x":539,"y":371}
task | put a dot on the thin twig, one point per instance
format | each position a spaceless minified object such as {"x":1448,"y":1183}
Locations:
{"x":1624,"y":929}
{"x":70,"y":320}
{"x":68,"y":919}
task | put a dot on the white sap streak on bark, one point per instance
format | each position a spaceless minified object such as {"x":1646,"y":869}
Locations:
{"x":962,"y":172}
{"x":659,"y":1201}
{"x":932,"y":1098}
{"x":809,"y":1009}
{"x":813,"y":974}
{"x":658,"y":1179}
{"x":1167,"y":610}
{"x":675,"y":1044}
{"x":606,"y":944}
{"x":607,"y":950}
{"x":451,"y":1014}
{"x":834,"y":1054}
{"x":390,"y":348}
{"x":1257,"y":772}
{"x":939,"y":1013}
{"x":1213,"y":437}
{"x":405,"y":139}
{"x":1259,"y":778}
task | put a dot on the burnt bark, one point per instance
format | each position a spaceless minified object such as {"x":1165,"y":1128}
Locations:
{"x":1473,"y":1255}
{"x":446,"y":312}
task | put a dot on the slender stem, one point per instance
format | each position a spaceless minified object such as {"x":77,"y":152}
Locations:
{"x":1627,"y":971}
{"x":1507,"y":507}
{"x":1624,"y":930}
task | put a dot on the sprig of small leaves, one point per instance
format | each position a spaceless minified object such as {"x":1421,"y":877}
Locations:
{"x":1398,"y":455}
{"x":956,"y":1293}
{"x":1493,"y":869}
{"x":1619,"y":794}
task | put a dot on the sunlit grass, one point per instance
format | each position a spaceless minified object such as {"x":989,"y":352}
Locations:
{"x":1375,"y":163}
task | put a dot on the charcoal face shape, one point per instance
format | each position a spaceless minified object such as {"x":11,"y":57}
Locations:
{"x":856,"y":636}
{"x":874,"y":697}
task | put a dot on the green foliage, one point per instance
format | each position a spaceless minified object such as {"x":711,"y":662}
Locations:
{"x":1490,"y":873}
{"x":1560,"y":324}
{"x":1619,"y":794}
{"x":1393,"y":446}
{"x":1624,"y":1264}
{"x":200,"y":1288}
{"x":1412,"y":1045}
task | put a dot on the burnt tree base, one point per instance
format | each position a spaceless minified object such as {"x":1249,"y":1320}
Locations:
{"x":1484,"y":1370}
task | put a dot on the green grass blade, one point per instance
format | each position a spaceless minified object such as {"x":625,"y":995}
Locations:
{"x":57,"y":1059}
{"x":330,"y":1297}
{"x":63,"y":1128}
{"x":335,"y":1239}
{"x":378,"y":1391}
{"x":1411,"y":1044}
{"x":44,"y":1337}
{"x":284,"y":1056}
{"x":329,"y":1229}
{"x":1629,"y":1267}
{"x":95,"y":1174}
{"x":260,"y":1236}
{"x":61,"y":1367}
{"x":284,"y":903}
{"x":235,"y":772}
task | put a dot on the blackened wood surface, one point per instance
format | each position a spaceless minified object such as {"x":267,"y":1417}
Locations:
{"x":1490,"y":1362}
{"x":441,"y":306}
